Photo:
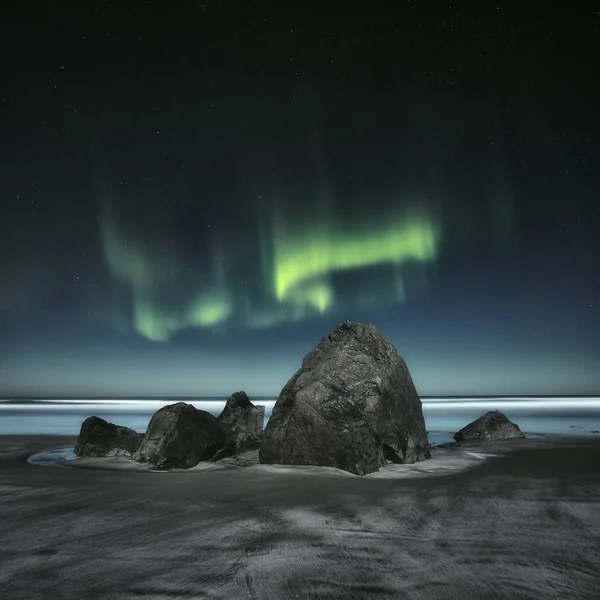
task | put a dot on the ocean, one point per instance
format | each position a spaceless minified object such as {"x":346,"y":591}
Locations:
{"x":536,"y":416}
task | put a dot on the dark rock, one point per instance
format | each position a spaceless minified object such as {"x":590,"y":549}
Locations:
{"x":491,"y":426}
{"x":98,"y":437}
{"x":244,"y":459}
{"x":244,"y":420}
{"x":352,"y":405}
{"x":180,"y":435}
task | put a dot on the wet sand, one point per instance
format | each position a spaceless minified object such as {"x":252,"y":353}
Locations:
{"x":524,"y":523}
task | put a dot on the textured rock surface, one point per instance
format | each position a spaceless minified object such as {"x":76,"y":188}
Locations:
{"x":351,"y":405}
{"x":98,"y":437}
{"x":243,"y":459}
{"x":244,"y":420}
{"x":180,"y":435}
{"x":491,"y":426}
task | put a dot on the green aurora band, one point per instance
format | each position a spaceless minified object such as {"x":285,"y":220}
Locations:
{"x":298,"y":283}
{"x":302,"y":262}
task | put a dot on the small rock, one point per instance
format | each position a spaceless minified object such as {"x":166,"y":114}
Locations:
{"x":245,"y":459}
{"x":180,"y":435}
{"x":244,"y":420}
{"x":98,"y":437}
{"x":493,"y":425}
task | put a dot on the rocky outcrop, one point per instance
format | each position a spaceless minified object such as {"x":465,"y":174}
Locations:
{"x":351,"y":405}
{"x":244,"y":420}
{"x":491,"y":426}
{"x":98,"y":437}
{"x":180,"y":435}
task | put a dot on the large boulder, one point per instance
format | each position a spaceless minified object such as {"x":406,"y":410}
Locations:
{"x":351,"y":405}
{"x":180,"y":435}
{"x":491,"y":426}
{"x":98,"y":437}
{"x":244,"y":420}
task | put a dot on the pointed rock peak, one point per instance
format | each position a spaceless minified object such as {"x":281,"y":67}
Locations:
{"x":245,"y":420}
{"x":238,"y":400}
{"x":354,"y":337}
{"x":354,"y":328}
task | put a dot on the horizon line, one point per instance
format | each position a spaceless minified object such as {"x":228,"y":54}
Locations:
{"x":224,"y":397}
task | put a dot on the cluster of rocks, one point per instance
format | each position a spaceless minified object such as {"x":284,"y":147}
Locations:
{"x":178,"y":435}
{"x":351,"y":405}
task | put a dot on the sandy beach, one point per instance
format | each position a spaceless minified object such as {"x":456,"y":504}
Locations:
{"x":520,"y":520}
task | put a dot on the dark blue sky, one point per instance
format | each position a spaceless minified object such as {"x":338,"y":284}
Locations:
{"x":193,"y":195}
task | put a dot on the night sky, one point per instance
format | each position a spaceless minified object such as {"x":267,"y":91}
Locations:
{"x":193,"y":194}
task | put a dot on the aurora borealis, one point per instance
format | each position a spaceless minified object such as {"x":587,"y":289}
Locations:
{"x":192,"y":197}
{"x":299,"y":268}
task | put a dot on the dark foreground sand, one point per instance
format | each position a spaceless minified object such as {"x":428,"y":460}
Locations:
{"x":523,"y":524}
